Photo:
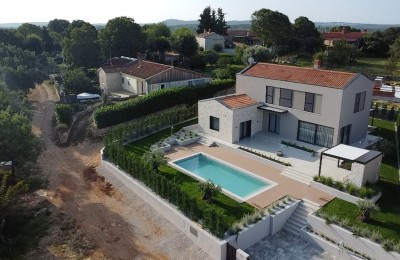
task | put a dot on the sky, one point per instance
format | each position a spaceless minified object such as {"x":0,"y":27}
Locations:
{"x":143,"y":11}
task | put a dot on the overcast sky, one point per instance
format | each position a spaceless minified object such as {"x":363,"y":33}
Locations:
{"x":143,"y":11}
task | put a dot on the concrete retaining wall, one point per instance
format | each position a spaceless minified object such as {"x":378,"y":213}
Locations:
{"x":340,"y":194}
{"x":280,"y":218}
{"x":359,"y":244}
{"x":215,"y":248}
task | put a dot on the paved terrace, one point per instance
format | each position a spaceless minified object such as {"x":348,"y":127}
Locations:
{"x":286,"y":186}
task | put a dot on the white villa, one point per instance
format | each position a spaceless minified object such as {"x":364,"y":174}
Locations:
{"x":139,"y":77}
{"x":319,"y":107}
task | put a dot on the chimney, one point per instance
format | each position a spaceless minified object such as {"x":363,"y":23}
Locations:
{"x":343,"y":31}
{"x":209,"y":30}
{"x":317,"y":64}
{"x":378,"y":82}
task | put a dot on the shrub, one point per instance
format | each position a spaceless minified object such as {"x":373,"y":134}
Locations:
{"x":363,"y":192}
{"x":388,"y":244}
{"x":376,"y":236}
{"x":315,"y":178}
{"x":329,"y":181}
{"x":396,"y":247}
{"x":64,"y":114}
{"x":351,"y":188}
{"x":156,"y":101}
{"x":339,"y":185}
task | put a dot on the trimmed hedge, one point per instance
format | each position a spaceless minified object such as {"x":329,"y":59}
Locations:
{"x":157,"y":101}
{"x":214,"y":220}
{"x":64,"y":114}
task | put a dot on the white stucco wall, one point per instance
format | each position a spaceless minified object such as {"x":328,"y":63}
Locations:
{"x":330,"y":104}
{"x":195,"y":82}
{"x":371,"y":171}
{"x":134,"y":84}
{"x":359,"y":120}
{"x":208,"y":42}
{"x":211,"y":107}
{"x":109,"y":81}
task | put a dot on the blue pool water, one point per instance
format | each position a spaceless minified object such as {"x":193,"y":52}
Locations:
{"x":233,"y":180}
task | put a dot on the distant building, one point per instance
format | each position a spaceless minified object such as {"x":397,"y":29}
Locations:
{"x":209,"y":39}
{"x":350,"y":37}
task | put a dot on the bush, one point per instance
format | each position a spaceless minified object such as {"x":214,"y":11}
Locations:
{"x":329,"y":181}
{"x":339,"y":185}
{"x":156,"y":101}
{"x":218,"y":48}
{"x":64,"y":114}
{"x":362,"y":192}
{"x":351,"y":188}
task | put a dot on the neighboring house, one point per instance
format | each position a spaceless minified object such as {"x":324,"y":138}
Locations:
{"x":242,"y":36}
{"x":320,"y":107}
{"x":208,"y":40}
{"x":350,"y":37}
{"x":142,"y":77}
{"x":110,"y":73}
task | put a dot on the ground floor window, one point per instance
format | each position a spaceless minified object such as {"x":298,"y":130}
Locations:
{"x":214,"y":123}
{"x":315,"y":134}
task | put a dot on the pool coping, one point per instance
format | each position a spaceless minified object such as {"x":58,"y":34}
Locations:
{"x":230,"y":194}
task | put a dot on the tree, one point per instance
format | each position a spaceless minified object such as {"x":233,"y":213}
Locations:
{"x":14,"y":101}
{"x":394,"y":58}
{"x":18,"y":144}
{"x":206,"y":21}
{"x":26,"y":28}
{"x":184,"y":42}
{"x":10,"y":37}
{"x":342,"y":53}
{"x":367,"y":207}
{"x":344,"y":28}
{"x":154,"y":159}
{"x":121,"y":37}
{"x":374,"y":45}
{"x":59,"y":26}
{"x":33,"y":42}
{"x":306,"y":35}
{"x":271,"y":27}
{"x":81,"y":47}
{"x":157,"y":35}
{"x":212,"y":21}
{"x":210,"y":190}
{"x":221,"y":26}
{"x":258,"y":53}
{"x":76,"y":81}
{"x":47,"y":41}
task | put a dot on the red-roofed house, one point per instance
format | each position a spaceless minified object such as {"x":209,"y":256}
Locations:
{"x":142,"y":77}
{"x":320,"y":107}
{"x":350,"y":37}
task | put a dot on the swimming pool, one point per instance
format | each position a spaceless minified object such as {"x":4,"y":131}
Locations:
{"x":234,"y":181}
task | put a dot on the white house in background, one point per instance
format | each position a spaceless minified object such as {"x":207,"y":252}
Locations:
{"x":139,"y":77}
{"x":208,"y":40}
{"x":315,"y":106}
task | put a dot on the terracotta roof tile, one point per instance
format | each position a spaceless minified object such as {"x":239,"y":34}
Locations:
{"x":323,"y":78}
{"x":349,"y":36}
{"x":145,"y":69}
{"x":118,"y":62}
{"x":237,"y":101}
{"x":206,"y":34}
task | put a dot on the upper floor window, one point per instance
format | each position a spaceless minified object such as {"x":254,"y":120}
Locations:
{"x":309,"y":102}
{"x":270,"y":95}
{"x":285,"y":99}
{"x":359,"y":102}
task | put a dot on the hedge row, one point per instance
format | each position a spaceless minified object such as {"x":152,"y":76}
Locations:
{"x":214,"y":220}
{"x":150,"y":124}
{"x":157,"y":101}
{"x":64,"y":114}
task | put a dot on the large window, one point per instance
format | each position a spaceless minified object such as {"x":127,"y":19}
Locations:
{"x":270,"y":95}
{"x":315,"y":134}
{"x":309,"y":102}
{"x":285,"y":99}
{"x":359,"y":102}
{"x":214,"y":123}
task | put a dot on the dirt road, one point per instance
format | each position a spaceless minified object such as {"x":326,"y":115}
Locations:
{"x":90,"y":218}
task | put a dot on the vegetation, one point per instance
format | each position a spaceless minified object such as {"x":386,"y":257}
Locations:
{"x":264,"y":156}
{"x":212,"y":21}
{"x":156,"y":101}
{"x":367,"y":208}
{"x":184,"y":42}
{"x":294,"y":145}
{"x":64,"y":114}
{"x":394,"y":57}
{"x":258,"y":53}
{"x":387,"y":221}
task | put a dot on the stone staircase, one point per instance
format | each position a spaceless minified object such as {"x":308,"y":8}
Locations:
{"x":296,"y":175}
{"x":298,"y":220}
{"x":206,"y":141}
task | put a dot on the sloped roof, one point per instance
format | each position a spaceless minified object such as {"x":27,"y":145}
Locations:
{"x":240,"y":33}
{"x":349,"y":36}
{"x":207,"y":34}
{"x":145,"y":69}
{"x":237,"y":101}
{"x":117,"y":63}
{"x":310,"y":76}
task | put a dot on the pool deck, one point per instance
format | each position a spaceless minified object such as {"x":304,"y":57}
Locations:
{"x":286,"y":186}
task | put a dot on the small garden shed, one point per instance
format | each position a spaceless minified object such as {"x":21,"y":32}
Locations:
{"x":364,"y":164}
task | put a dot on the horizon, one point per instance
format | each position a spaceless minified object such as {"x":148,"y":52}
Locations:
{"x":39,"y":12}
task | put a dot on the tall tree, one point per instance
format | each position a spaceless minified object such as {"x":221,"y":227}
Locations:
{"x":306,"y":35}
{"x":76,"y":81}
{"x":121,"y":37}
{"x":207,"y":20}
{"x":221,"y":26}
{"x":154,"y":33}
{"x":184,"y":42}
{"x":394,"y":58}
{"x":81,"y":47}
{"x":59,"y":26}
{"x":26,"y":28}
{"x":34,"y":42}
{"x":18,"y":143}
{"x":344,"y":28}
{"x":342,"y":53}
{"x":374,"y":45}
{"x":271,"y":27}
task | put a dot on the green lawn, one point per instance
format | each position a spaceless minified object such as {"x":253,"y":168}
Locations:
{"x":230,"y":207}
{"x":387,"y":221}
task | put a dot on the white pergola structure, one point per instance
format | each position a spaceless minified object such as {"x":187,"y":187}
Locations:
{"x":365,"y":164}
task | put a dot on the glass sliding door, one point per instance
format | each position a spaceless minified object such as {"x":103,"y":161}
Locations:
{"x":315,"y":134}
{"x":245,"y":129}
{"x":306,"y":132}
{"x":324,"y":136}
{"x":345,"y":134}
{"x":273,"y":123}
